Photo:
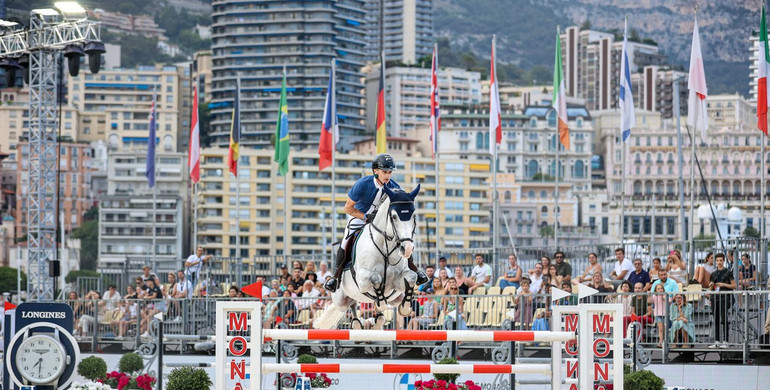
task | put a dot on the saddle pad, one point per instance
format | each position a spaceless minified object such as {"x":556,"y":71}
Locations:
{"x":350,"y":253}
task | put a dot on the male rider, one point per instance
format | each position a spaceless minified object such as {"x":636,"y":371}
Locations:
{"x":363,"y":200}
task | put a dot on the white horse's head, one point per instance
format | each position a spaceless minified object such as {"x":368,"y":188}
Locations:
{"x":398,"y":212}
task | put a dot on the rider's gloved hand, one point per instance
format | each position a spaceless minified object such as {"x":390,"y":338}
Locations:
{"x":369,"y":218}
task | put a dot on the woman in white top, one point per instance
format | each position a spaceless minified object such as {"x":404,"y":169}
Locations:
{"x":676,"y":268}
{"x":703,"y":271}
{"x":592,"y":268}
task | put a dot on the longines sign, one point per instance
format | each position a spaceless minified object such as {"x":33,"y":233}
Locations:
{"x":44,"y":315}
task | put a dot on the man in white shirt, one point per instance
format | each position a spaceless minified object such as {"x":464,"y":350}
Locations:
{"x":323,"y":272}
{"x":194,"y":264}
{"x":623,"y":267}
{"x":481,"y":273}
{"x":184,"y":288}
{"x":537,"y":279}
{"x":308,"y":292}
{"x":265,"y":289}
{"x":442,"y":265}
{"x":111,"y":297}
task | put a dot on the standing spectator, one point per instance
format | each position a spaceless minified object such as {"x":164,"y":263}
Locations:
{"x":184,"y":288}
{"x":442,"y":265}
{"x":669,"y":285}
{"x":747,"y":273}
{"x":427,"y":288}
{"x":721,"y":280}
{"x":593,"y":267}
{"x":323,"y":271}
{"x":680,"y":315}
{"x":563,"y":268}
{"x":111,"y":297}
{"x":168,"y":293}
{"x":623,"y":267}
{"x":676,"y":268}
{"x":78,"y":309}
{"x":703,"y":272}
{"x":659,"y":310}
{"x":194,"y":264}
{"x":639,"y":275}
{"x":524,"y":302}
{"x":512,"y":275}
{"x":296,"y":280}
{"x":464,"y":283}
{"x":654,"y":271}
{"x":147,"y":275}
{"x":536,"y":279}
{"x":481,"y":273}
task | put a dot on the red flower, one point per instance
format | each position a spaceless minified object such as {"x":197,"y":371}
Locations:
{"x":311,"y":375}
{"x":452,"y":386}
{"x":474,"y":387}
{"x":441,"y":383}
{"x":418,"y":384}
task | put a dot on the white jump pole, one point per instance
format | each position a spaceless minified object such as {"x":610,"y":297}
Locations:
{"x":417,"y":335}
{"x":375,"y":368}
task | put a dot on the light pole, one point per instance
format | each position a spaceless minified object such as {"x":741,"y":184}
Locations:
{"x":51,"y":31}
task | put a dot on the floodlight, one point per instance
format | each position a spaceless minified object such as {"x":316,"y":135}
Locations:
{"x":70,"y":8}
{"x":10,"y":65}
{"x":94,"y":50}
{"x":7,"y":24}
{"x":45,"y":12}
{"x":73,"y":54}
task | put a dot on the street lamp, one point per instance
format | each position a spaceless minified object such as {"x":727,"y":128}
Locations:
{"x":51,"y":31}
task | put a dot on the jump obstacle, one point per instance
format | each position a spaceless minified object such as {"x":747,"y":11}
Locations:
{"x":239,"y":330}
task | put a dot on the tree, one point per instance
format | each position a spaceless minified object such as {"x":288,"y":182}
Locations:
{"x":750,"y":231}
{"x":546,"y":231}
{"x":88,"y":234}
{"x":8,"y":280}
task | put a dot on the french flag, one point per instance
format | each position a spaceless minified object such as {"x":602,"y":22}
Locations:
{"x":330,"y":129}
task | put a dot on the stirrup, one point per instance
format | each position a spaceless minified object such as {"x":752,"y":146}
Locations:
{"x":331,"y":284}
{"x":422,"y":278}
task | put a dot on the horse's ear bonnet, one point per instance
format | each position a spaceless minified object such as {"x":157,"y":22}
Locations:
{"x":403,"y":204}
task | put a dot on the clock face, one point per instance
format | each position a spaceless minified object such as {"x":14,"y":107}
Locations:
{"x":40,"y":359}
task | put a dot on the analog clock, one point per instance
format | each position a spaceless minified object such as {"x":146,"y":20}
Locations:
{"x":40,"y":359}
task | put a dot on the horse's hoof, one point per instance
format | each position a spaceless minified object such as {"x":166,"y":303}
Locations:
{"x":404,"y":309}
{"x":379,"y":322}
{"x":356,"y":324}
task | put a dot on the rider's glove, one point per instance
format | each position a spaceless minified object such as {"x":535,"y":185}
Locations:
{"x":369,"y":218}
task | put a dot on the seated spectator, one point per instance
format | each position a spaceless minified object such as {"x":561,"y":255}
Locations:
{"x":111,"y":297}
{"x":452,"y":304}
{"x":659,"y":300}
{"x":598,"y":284}
{"x":542,"y":316}
{"x":443,"y":277}
{"x":669,"y":285}
{"x":541,"y":298}
{"x":641,"y":309}
{"x":308,"y":294}
{"x":270,"y":309}
{"x":310,"y":268}
{"x":232,"y":292}
{"x":545,"y":262}
{"x":536,"y":278}
{"x":427,"y":288}
{"x":463,"y":283}
{"x":588,"y":274}
{"x":563,"y":268}
{"x":140,"y":287}
{"x":286,"y":311}
{"x":429,"y":313}
{"x":703,"y":271}
{"x":323,"y":272}
{"x":682,"y":327}
{"x":512,"y":275}
{"x":91,"y":306}
{"x":442,"y":265}
{"x":747,"y":273}
{"x":297,"y":265}
{"x":524,"y":302}
{"x":552,"y":276}
{"x":284,"y":272}
{"x":572,"y":299}
{"x":130,"y":293}
{"x":639,"y":275}
{"x":297,"y":280}
{"x":481,"y":273}
{"x":676,"y":268}
{"x":623,"y":267}
{"x":128,"y":318}
{"x":654,"y":270}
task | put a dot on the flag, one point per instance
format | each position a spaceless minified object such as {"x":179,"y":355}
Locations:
{"x":330,"y":129}
{"x":435,"y":112}
{"x":764,"y":67}
{"x":559,"y":100}
{"x":282,"y":132}
{"x":235,"y":130}
{"x":697,"y":116}
{"x":150,"y":169}
{"x":495,"y":123}
{"x":381,"y":140}
{"x":627,"y":114}
{"x":194,"y":154}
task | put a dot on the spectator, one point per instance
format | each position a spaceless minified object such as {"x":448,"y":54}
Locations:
{"x":430,"y":310}
{"x":140,"y":287}
{"x":78,"y":309}
{"x":111,"y":297}
{"x":194,"y":264}
{"x":654,"y":271}
{"x":311,"y":276}
{"x":147,"y":275}
{"x":271,"y":307}
{"x":545,"y":261}
{"x":676,"y":268}
{"x":623,"y":267}
{"x":669,"y":285}
{"x":542,"y":316}
{"x":481,"y":273}
{"x":274,"y":285}
{"x":427,"y":288}
{"x":536,"y":279}
{"x":442,"y":265}
{"x":184,"y":288}
{"x":310,"y":267}
{"x":309,"y":293}
{"x":641,"y":309}
{"x":721,"y":280}
{"x":703,"y":272}
{"x":463,"y":283}
{"x":284,"y":272}
{"x":265,"y":288}
{"x":682,"y":326}
{"x":597,"y":283}
{"x":127,"y":317}
{"x":168,"y":292}
{"x":91,"y":305}
{"x":452,"y":304}
{"x":524,"y":302}
{"x":232,"y":292}
{"x":323,"y":271}
{"x":563,"y":268}
{"x":624,"y":298}
{"x":286,"y":309}
{"x":154,"y":297}
{"x":552,"y":273}
{"x":659,"y":309}
{"x":572,"y":299}
{"x":296,"y":280}
{"x":747,"y":273}
{"x":639,"y":275}
{"x":593,"y":267}
{"x":443,"y":277}
{"x":512,"y":275}
{"x":130,"y":292}
{"x":296,"y":264}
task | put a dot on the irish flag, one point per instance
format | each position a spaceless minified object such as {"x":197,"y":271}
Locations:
{"x":559,"y":98}
{"x":697,"y":116}
{"x":764,"y":67}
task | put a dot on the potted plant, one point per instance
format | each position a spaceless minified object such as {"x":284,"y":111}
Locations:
{"x":188,"y":378}
{"x":641,"y":380}
{"x":92,"y":368}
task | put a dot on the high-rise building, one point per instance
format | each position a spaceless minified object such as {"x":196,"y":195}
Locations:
{"x":654,"y":90}
{"x":258,"y":39}
{"x":403,"y":29}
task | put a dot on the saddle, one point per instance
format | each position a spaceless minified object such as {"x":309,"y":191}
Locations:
{"x":350,"y":248}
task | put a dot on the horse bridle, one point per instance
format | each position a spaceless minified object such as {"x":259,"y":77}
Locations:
{"x":384,"y":232}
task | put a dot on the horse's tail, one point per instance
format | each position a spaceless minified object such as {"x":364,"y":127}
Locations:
{"x":329,"y":318}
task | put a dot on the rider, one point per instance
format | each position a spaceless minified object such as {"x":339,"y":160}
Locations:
{"x":363,"y":200}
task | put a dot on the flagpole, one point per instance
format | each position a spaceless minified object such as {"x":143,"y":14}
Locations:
{"x":622,"y":190}
{"x":692,"y":192}
{"x":762,"y":229}
{"x":436,"y":164}
{"x":195,"y":184}
{"x":237,"y":180}
{"x":286,"y":238}
{"x":333,"y":93}
{"x":494,"y":167}
{"x":154,"y":187}
{"x":557,"y":142}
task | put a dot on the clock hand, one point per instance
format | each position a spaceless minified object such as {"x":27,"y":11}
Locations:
{"x":40,"y":368}
{"x":38,"y":362}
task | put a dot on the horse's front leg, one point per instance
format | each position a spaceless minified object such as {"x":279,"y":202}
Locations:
{"x":408,"y":278}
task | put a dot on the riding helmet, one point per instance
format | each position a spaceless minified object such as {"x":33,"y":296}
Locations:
{"x":384,"y":162}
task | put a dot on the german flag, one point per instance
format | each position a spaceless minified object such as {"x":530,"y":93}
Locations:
{"x":381,"y":140}
{"x":235,"y":130}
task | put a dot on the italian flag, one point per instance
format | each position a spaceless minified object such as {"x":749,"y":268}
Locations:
{"x":559,"y":97}
{"x":764,"y":66}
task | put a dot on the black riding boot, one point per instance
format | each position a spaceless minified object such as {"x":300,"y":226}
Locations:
{"x":421,"y":277}
{"x":333,"y":283}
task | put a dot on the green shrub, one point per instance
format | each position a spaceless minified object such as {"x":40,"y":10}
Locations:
{"x":188,"y":378}
{"x":92,"y":368}
{"x":306,"y":359}
{"x":641,"y":380}
{"x":131,"y":363}
{"x":451,"y":378}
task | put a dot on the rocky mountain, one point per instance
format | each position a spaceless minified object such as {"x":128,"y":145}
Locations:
{"x":526,"y":29}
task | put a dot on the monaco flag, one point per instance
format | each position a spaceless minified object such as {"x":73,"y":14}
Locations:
{"x":194,"y":155}
{"x":697,"y":116}
{"x":764,"y":67}
{"x":495,"y":124}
